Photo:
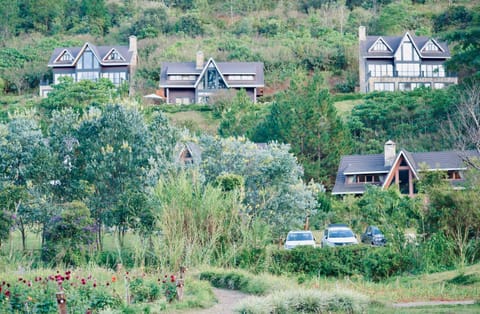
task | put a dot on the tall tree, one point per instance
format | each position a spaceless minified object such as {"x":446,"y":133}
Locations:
{"x":305,"y":117}
{"x":117,"y":154}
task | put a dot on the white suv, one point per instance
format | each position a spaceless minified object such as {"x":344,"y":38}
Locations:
{"x":338,"y":235}
{"x":297,"y":238}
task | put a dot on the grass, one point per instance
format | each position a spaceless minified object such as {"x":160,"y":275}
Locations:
{"x":344,"y":107}
{"x":194,"y":121}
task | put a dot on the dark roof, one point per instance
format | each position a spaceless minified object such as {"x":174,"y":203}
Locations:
{"x":394,"y":43}
{"x":370,"y":164}
{"x":225,"y":68}
{"x":100,"y":51}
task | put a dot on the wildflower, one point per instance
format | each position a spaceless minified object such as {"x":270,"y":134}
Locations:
{"x":114,"y":278}
{"x":29,"y":298}
{"x":94,"y":284}
{"x":108,"y":284}
{"x":7,"y":293}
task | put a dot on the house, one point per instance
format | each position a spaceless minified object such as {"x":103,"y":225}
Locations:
{"x":188,"y":153}
{"x":195,"y":82}
{"x":90,"y":62}
{"x":391,"y":63}
{"x":357,"y":171}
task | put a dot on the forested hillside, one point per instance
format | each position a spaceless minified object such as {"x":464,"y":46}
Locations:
{"x":308,"y":45}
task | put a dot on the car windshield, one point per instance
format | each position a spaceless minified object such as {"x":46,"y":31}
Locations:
{"x":342,"y":233}
{"x":376,"y":231}
{"x":304,"y":236}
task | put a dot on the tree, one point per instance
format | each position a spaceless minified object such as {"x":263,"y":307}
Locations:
{"x":25,"y":166}
{"x":465,"y":36}
{"x":274,"y":190}
{"x":305,"y":117}
{"x":79,"y":95}
{"x":120,"y":158}
{"x":240,"y":116}
{"x":464,"y":124}
{"x":456,"y":214}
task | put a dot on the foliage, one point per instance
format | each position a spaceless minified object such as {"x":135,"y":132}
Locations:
{"x":79,"y":95}
{"x":306,"y":301}
{"x":373,"y":264}
{"x":305,"y":117}
{"x":274,"y":191}
{"x":199,"y":223}
{"x":68,"y":234}
{"x":406,"y":117}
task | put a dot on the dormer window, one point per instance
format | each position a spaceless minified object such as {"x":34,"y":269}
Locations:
{"x":114,"y":55}
{"x":65,"y":57}
{"x":379,"y":46}
{"x":367,"y":178}
{"x":430,"y":47}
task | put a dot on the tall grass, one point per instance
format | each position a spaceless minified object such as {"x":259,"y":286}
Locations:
{"x":199,"y":224}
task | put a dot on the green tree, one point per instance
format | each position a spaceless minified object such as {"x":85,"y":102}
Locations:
{"x":67,"y":235}
{"x":25,"y":165}
{"x":274,"y":190}
{"x":118,"y":157}
{"x":79,"y":95}
{"x":240,"y":116}
{"x":305,"y":117}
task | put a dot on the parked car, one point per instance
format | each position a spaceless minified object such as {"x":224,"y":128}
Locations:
{"x":373,"y":236}
{"x":297,"y":238}
{"x":338,"y":235}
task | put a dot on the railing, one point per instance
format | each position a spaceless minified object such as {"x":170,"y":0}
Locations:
{"x":413,"y":74}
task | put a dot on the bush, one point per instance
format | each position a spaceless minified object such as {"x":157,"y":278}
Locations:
{"x":372,"y":263}
{"x":306,"y":301}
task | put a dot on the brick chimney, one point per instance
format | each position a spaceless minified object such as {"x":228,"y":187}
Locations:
{"x":199,"y":60}
{"x":389,"y":153}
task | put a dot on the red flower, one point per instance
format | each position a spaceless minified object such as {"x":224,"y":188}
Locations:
{"x":94,"y":284}
{"x":7,"y":294}
{"x":0,"y":289}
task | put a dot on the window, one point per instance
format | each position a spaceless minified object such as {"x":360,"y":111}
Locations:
{"x":379,"y":46}
{"x":453,"y":175}
{"x":367,"y":178}
{"x":117,"y":78}
{"x":412,"y":86}
{"x":66,"y":57}
{"x":241,"y":77}
{"x":88,"y":75}
{"x":433,"y":70}
{"x":384,"y":87}
{"x":114,"y":55}
{"x":408,"y":69}
{"x":380,"y":70}
{"x":182,"y":77}
{"x":439,"y":85}
{"x":431,"y":47}
{"x":182,"y":100}
{"x":212,"y":79}
{"x":88,"y":61}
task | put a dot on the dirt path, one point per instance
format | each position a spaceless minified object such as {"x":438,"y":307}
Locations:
{"x":227,"y":300}
{"x":433,"y":303}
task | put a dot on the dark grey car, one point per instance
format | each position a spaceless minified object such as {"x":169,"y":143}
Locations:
{"x":373,"y":236}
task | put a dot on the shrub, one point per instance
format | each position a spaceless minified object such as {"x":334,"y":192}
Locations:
{"x":306,"y":301}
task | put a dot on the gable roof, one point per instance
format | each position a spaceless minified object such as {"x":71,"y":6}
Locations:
{"x":394,"y":43}
{"x":224,"y":68}
{"x":375,"y":164}
{"x":101,"y":52}
{"x":202,"y":74}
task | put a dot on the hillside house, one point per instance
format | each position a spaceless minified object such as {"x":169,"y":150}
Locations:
{"x":195,"y":82}
{"x":90,"y":62}
{"x":357,"y":171}
{"x":391,"y":63}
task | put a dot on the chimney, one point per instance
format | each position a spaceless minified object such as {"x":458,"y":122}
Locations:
{"x":362,"y":33}
{"x":389,"y":152}
{"x":199,"y":62}
{"x":132,"y":43}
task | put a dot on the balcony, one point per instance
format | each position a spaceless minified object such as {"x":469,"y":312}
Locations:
{"x":421,"y":74}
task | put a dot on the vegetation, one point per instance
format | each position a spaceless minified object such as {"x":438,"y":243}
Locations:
{"x":91,"y":176}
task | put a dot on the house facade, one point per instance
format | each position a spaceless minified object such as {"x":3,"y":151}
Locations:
{"x":90,"y":62}
{"x":355,"y":172}
{"x":195,"y":82}
{"x":392,"y":63}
